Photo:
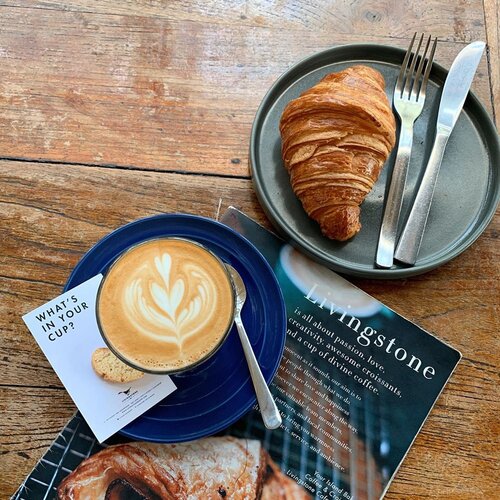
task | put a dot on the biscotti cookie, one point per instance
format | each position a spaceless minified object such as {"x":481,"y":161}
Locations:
{"x":110,"y":368}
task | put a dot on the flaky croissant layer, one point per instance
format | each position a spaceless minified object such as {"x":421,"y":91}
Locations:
{"x":335,"y":139}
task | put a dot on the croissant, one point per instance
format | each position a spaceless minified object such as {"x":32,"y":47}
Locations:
{"x":210,"y":468}
{"x":335,"y":139}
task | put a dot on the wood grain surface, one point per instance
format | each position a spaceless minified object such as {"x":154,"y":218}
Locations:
{"x":111,"y":111}
{"x":492,"y":18}
{"x":158,"y":93}
{"x":461,"y":20}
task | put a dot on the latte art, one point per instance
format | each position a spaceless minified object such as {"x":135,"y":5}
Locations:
{"x":170,"y":308}
{"x":165,"y":305}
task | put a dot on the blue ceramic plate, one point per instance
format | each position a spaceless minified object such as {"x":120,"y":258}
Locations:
{"x":218,"y":392}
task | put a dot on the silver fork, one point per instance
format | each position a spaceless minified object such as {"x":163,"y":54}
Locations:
{"x":409,"y":98}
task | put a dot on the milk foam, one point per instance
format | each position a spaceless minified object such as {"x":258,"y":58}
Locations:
{"x":166,"y":304}
{"x":168,"y":307}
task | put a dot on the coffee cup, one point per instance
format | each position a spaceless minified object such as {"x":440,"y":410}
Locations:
{"x":165,"y":305}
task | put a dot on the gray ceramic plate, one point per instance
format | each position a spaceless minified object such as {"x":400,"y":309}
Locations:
{"x":467,"y":191}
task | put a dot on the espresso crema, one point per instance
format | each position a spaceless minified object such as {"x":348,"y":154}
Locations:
{"x":165,"y":304}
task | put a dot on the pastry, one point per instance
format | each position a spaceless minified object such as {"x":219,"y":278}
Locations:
{"x":112,"y":369}
{"x":335,"y":139}
{"x":207,"y":469}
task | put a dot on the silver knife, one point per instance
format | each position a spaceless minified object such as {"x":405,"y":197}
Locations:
{"x":455,"y":91}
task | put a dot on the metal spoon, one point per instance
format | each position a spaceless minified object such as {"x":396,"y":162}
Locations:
{"x":268,"y":409}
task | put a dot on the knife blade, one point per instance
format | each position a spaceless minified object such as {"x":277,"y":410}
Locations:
{"x":455,"y":91}
{"x":457,"y":84}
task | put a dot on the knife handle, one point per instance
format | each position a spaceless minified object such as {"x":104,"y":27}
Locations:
{"x":413,"y":231}
{"x":389,"y":227}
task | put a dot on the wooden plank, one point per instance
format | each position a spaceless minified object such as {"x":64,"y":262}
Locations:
{"x":22,"y":361}
{"x":53,"y":213}
{"x":492,"y":18}
{"x":454,"y":20}
{"x":31,"y":420}
{"x":163,"y":94}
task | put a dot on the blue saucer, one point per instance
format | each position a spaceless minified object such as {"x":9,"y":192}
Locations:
{"x":212,"y":396}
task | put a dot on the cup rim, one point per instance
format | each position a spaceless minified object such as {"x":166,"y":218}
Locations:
{"x":191,"y":366}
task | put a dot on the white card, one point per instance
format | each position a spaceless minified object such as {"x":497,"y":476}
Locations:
{"x":66,"y":330}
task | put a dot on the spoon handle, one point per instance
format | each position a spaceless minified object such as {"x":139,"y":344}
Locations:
{"x":268,"y":409}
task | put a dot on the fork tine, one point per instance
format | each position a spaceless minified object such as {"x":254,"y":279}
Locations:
{"x":408,"y":102}
{"x":404,"y":65}
{"x":427,"y":70}
{"x":416,"y":88}
{"x":408,"y":84}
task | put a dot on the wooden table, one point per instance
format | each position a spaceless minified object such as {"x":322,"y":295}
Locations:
{"x":112,"y":110}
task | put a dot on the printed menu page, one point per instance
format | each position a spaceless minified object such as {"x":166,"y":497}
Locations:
{"x":66,"y":330}
{"x":356,"y":382}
